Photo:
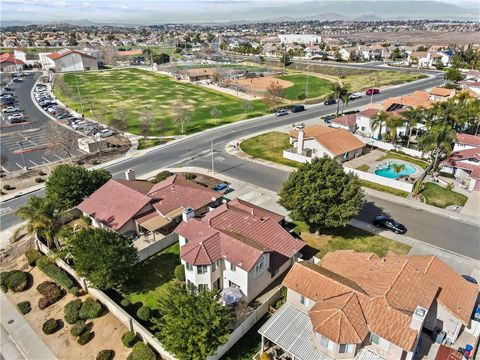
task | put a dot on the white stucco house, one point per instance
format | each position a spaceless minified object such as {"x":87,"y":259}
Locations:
{"x":67,"y":60}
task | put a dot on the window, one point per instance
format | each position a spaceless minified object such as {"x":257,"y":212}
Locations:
{"x":344,"y":349}
{"x":233,"y":267}
{"x":324,"y":341}
{"x":215,"y":265}
{"x":374,"y":339}
{"x":203,"y":287}
{"x":303,"y":300}
{"x":202,"y":269}
{"x":260,"y":266}
{"x":188,"y":266}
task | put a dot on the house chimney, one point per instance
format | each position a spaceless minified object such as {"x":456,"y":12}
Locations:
{"x":187,"y":214}
{"x":300,"y":135}
{"x":418,"y":318}
{"x":130,"y":174}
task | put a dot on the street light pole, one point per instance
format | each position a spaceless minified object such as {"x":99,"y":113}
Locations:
{"x":213,"y":163}
{"x":306,"y":85}
{"x":19,"y":142}
{"x":76,"y":81}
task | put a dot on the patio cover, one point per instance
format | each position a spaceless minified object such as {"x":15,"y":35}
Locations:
{"x":155,"y":223}
{"x":291,"y":329}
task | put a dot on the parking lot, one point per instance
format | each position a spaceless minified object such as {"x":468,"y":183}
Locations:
{"x":27,"y":143}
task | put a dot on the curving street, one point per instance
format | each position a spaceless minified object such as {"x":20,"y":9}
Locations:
{"x":435,"y":229}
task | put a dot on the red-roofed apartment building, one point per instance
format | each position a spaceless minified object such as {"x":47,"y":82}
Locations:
{"x":9,"y":63}
{"x":137,"y":207}
{"x":67,"y":60}
{"x":358,"y":305}
{"x":236,"y":245}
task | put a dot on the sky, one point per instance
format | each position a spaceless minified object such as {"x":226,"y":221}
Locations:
{"x":131,"y":11}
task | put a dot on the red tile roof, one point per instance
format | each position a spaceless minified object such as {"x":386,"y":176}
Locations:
{"x":239,"y":232}
{"x":118,"y":201}
{"x":446,"y":353}
{"x":467,"y":139}
{"x":458,"y":160}
{"x":368,"y":112}
{"x":346,"y":120}
{"x":9,"y":58}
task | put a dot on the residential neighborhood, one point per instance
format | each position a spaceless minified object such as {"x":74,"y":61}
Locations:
{"x":240,"y":180}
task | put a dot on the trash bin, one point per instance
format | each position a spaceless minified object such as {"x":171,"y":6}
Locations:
{"x":439,"y":335}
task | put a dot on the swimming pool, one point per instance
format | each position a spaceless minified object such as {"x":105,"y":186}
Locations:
{"x":386,"y":170}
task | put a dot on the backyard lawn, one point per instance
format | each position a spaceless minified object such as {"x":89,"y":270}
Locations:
{"x":269,"y":146}
{"x":151,"y":276}
{"x":440,"y":197}
{"x":349,"y":238}
{"x":394,"y":155}
{"x":316,"y":86}
{"x":138,"y":91}
{"x":379,"y":187}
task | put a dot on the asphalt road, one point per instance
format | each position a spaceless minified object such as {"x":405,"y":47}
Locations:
{"x":434,"y":229}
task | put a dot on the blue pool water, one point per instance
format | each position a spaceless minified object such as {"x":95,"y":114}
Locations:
{"x":386,"y":170}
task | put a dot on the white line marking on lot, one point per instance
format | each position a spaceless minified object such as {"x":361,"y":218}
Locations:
{"x":58,"y":156}
{"x":33,"y":163}
{"x":21,"y":167}
{"x":47,"y":161}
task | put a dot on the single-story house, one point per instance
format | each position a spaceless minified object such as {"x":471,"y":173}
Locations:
{"x":69,"y":60}
{"x":236,"y":245}
{"x":464,"y":165}
{"x":138,"y":207}
{"x":358,"y":305}
{"x":318,"y":140}
{"x":441,"y":94}
{"x":10,"y":63}
{"x":466,"y":141}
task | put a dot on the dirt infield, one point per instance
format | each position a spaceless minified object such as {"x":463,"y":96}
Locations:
{"x":260,"y":84}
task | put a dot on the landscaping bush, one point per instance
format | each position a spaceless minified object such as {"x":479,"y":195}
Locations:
{"x":42,"y":173}
{"x":71,"y":311}
{"x":32,"y":256}
{"x":144,"y":313}
{"x":125,"y":303}
{"x":8,"y":187}
{"x":50,"y":291}
{"x":78,"y":328}
{"x":43,"y":303}
{"x":446,"y":175}
{"x":50,"y":326}
{"x":75,"y":291}
{"x":141,"y":351}
{"x":159,"y":177}
{"x":129,"y":339}
{"x":39,"y":180}
{"x":179,"y":272}
{"x":24,"y":307}
{"x":190,"y":176}
{"x":85,"y":337}
{"x":90,"y":309}
{"x":15,"y":280}
{"x":105,"y":355}
{"x":55,"y":273}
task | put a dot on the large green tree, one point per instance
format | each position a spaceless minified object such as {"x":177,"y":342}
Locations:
{"x":192,"y":324}
{"x":378,"y":121}
{"x":104,"y":257}
{"x":68,"y":184}
{"x":438,"y":141}
{"x":322,"y":194}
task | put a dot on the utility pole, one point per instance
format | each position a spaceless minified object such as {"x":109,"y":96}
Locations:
{"x":306,"y":85}
{"x":213,"y":163}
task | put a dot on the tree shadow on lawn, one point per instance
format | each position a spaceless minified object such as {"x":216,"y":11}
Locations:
{"x":153,"y":272}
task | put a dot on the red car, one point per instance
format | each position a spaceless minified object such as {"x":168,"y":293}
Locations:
{"x":372,"y":91}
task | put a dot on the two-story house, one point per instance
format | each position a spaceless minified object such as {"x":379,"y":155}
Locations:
{"x":236,"y":245}
{"x":354,"y":303}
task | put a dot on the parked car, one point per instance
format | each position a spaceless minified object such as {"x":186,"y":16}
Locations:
{"x":372,"y":91}
{"x":222,"y":187}
{"x":282,"y":112}
{"x":330,"y":102}
{"x":328,"y":119}
{"x":64,"y":115}
{"x":355,"y":96}
{"x":17,"y":80}
{"x":470,"y":279}
{"x":298,"y":108}
{"x":6,"y":88}
{"x":17,"y":121}
{"x":15,"y":116}
{"x":52,"y":109}
{"x":386,"y":222}
{"x":11,"y":109}
{"x":106,"y":133}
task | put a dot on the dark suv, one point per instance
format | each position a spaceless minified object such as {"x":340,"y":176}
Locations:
{"x":298,"y":108}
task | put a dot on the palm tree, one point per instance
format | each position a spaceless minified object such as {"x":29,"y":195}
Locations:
{"x":377,"y":121}
{"x":393,"y":123}
{"x":413,"y":116}
{"x":439,"y":141}
{"x":345,"y":97}
{"x":397,"y":168}
{"x":338,"y":92}
{"x":41,"y":217}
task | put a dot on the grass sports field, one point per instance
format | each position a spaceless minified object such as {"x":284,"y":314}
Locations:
{"x":316,"y":86}
{"x":138,"y":91}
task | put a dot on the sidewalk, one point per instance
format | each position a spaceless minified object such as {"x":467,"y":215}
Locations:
{"x":28,"y":343}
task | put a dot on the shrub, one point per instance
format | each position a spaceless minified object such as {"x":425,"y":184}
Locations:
{"x":24,"y":307}
{"x":90,"y":309}
{"x":39,"y":180}
{"x":447,"y":175}
{"x":144,"y":313}
{"x":129,"y":339}
{"x":8,"y":187}
{"x":55,"y":273}
{"x":141,"y":351}
{"x":71,"y":311}
{"x":105,"y":355}
{"x":78,"y":328}
{"x":32,"y":256}
{"x":50,"y":326}
{"x":95,"y":162}
{"x":42,"y":173}
{"x":160,"y":176}
{"x":75,"y":291}
{"x":15,"y":280}
{"x":179,"y":272}
{"x":85,"y":337}
{"x":43,"y":303}
{"x":125,"y":303}
{"x":50,"y":291}
{"x":190,"y":176}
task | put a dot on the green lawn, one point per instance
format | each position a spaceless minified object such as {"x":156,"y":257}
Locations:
{"x":440,"y":197}
{"x":349,"y":238}
{"x":363,"y":167}
{"x":379,"y":187}
{"x":361,"y":82}
{"x":269,"y":146}
{"x":316,"y":86}
{"x":138,"y":91}
{"x":394,"y":155}
{"x":147,"y":143}
{"x":151,"y":276}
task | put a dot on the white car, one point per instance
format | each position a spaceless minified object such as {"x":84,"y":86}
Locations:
{"x":355,"y":96}
{"x":52,"y":109}
{"x":10,"y":109}
{"x":106,"y":133}
{"x":15,"y":116}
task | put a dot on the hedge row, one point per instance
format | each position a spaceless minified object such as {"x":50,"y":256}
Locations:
{"x":32,"y":256}
{"x":57,"y":274}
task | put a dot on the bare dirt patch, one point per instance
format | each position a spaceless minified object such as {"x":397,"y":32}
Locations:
{"x":260,"y":84}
